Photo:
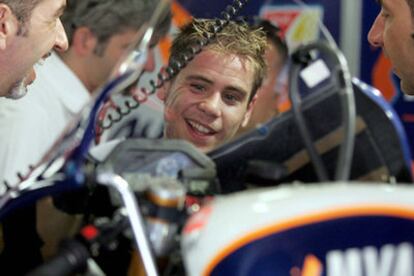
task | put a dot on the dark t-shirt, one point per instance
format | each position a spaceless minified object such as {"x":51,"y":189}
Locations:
{"x":22,"y":244}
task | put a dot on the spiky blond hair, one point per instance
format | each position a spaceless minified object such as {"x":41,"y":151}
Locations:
{"x":235,"y":38}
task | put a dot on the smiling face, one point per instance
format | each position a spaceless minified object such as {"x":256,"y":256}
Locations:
{"x":392,"y":30}
{"x":24,"y":44}
{"x":209,"y":99}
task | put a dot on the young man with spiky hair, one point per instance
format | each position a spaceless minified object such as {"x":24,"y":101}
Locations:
{"x":393,"y":31}
{"x":212,"y":97}
{"x":29,"y":30}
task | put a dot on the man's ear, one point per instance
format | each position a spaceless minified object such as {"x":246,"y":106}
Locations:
{"x":8,"y":25}
{"x":249,"y":111}
{"x":84,"y":41}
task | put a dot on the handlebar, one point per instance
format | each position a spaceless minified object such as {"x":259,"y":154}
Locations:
{"x":72,"y":258}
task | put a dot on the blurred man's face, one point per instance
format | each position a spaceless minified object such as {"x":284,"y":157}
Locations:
{"x":392,"y":31}
{"x":209,"y":100}
{"x":102,"y":64}
{"x":266,"y":104}
{"x":28,"y":44}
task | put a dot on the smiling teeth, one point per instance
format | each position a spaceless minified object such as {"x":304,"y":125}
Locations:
{"x":200,"y":128}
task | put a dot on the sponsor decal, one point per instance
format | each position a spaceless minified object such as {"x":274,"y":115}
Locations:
{"x":298,"y":25}
{"x":360,"y":241}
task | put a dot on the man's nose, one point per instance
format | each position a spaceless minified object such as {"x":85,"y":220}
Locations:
{"x":211,"y":105}
{"x":61,"y":43}
{"x":375,"y":35}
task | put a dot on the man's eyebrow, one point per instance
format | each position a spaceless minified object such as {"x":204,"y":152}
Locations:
{"x":199,"y":78}
{"x":228,"y":88}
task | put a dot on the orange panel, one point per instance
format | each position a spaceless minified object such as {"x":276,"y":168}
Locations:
{"x":381,"y":77}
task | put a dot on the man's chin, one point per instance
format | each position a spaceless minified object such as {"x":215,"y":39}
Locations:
{"x":18,"y":91}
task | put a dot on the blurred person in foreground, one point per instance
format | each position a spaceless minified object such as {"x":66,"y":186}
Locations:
{"x":29,"y":30}
{"x":393,"y":31}
{"x":99,"y":33}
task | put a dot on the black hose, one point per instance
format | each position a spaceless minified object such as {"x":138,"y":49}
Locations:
{"x":300,"y":58}
{"x":71,"y":259}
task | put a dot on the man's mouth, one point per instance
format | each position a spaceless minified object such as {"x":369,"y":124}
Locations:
{"x":31,"y":76}
{"x":200,"y":129}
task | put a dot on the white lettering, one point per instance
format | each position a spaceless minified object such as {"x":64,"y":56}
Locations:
{"x":389,"y":260}
{"x":378,"y":266}
{"x":344,"y":264}
{"x":404,"y":260}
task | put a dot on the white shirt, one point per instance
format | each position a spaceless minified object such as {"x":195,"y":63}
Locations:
{"x":29,"y":126}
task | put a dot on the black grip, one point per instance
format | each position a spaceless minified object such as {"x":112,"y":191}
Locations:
{"x":72,"y":258}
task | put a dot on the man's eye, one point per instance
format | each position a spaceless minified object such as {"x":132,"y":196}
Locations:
{"x":231,"y":98}
{"x":197,"y":87}
{"x":384,"y":13}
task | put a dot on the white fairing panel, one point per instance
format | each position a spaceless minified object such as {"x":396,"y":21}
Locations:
{"x":333,"y":228}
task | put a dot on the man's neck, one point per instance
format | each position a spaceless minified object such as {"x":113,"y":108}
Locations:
{"x":75,"y":64}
